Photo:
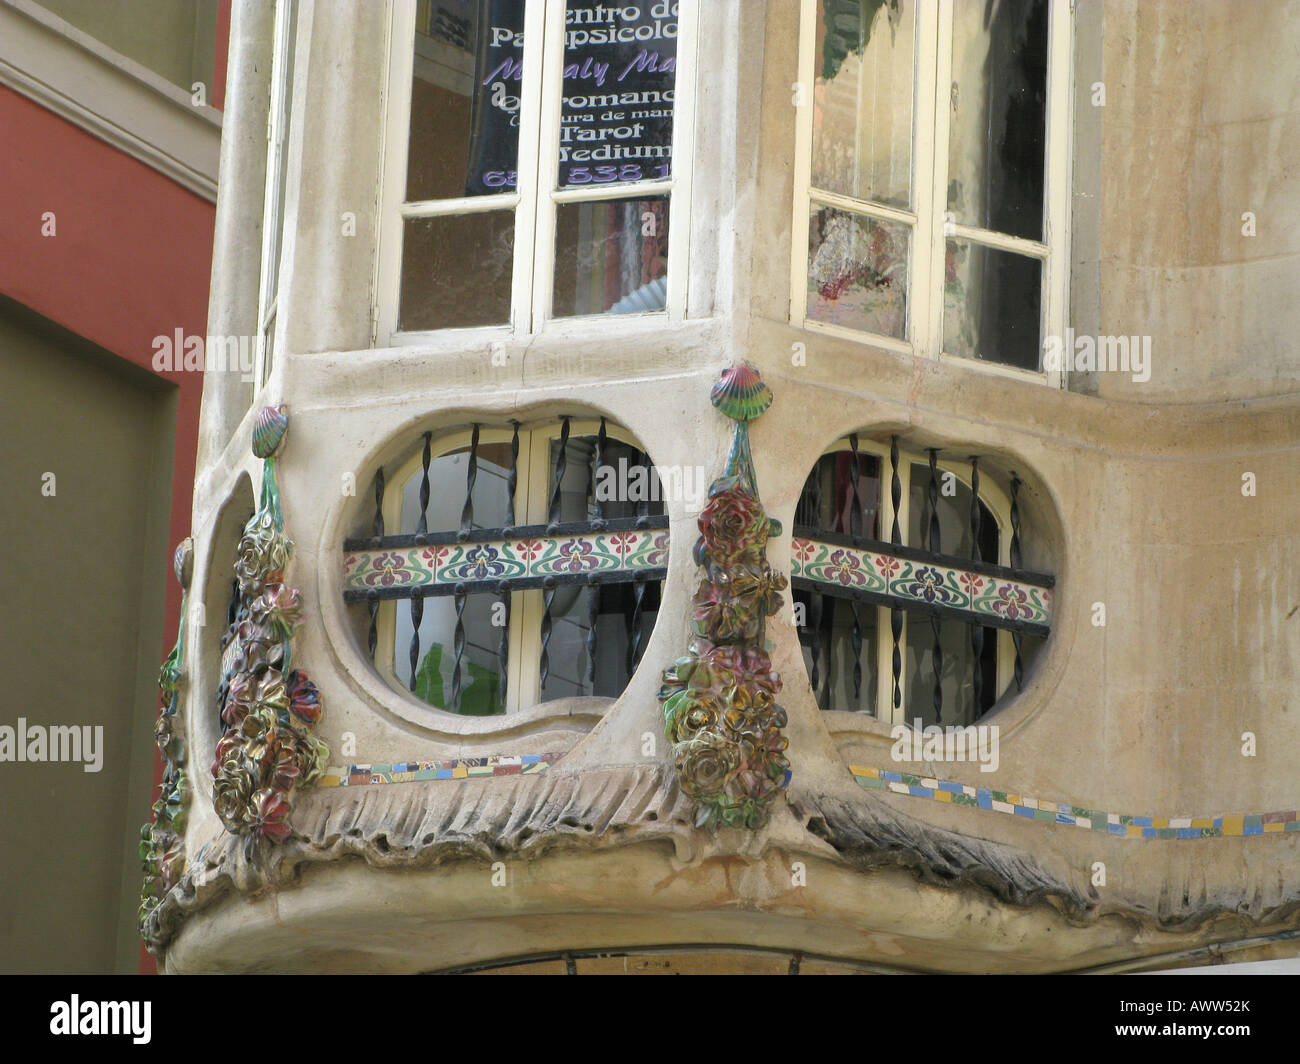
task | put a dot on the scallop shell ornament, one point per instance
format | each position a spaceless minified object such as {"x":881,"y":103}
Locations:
{"x":269,"y":428}
{"x":741,"y":394}
{"x":183,"y":562}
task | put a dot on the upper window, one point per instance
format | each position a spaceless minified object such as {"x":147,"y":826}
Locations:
{"x":932,"y":176}
{"x":535,"y":162}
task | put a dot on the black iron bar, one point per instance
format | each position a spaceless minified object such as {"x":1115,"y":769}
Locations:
{"x":512,"y":477}
{"x":422,"y":526}
{"x":417,"y":615}
{"x":976,"y":630}
{"x":896,"y":538}
{"x":593,"y":614}
{"x":936,"y":654}
{"x":458,"y":643}
{"x":1019,"y":668}
{"x":557,"y":474}
{"x":503,"y":645}
{"x":377,"y":529}
{"x":471,"y":475}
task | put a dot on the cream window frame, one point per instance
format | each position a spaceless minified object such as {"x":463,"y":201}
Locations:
{"x":929,"y":223}
{"x":535,"y":198}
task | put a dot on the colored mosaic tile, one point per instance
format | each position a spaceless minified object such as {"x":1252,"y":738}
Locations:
{"x":522,"y":558}
{"x":453,"y":769}
{"x":883,"y":573}
{"x":1121,"y":825}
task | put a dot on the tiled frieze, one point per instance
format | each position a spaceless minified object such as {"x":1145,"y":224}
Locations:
{"x":1123,"y":825}
{"x":995,"y":600}
{"x":624,"y":552}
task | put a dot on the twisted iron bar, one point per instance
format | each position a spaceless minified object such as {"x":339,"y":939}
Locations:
{"x":936,"y":654}
{"x":896,"y":537}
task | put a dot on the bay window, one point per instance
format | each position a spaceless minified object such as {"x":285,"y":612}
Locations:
{"x":932,"y":176}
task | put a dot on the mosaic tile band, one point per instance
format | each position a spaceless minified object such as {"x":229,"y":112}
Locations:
{"x":504,"y":559}
{"x":978,"y":594}
{"x":1239,"y":825}
{"x":1119,"y":824}
{"x":460,"y":768}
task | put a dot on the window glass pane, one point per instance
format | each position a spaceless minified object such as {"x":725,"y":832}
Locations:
{"x":630,"y":488}
{"x":991,"y":305}
{"x":447,"y":477}
{"x":567,"y":650}
{"x":862,"y":108}
{"x":832,"y":637}
{"x":958,"y":679}
{"x":954,"y":517}
{"x":465,"y":87}
{"x":611,"y":257}
{"x":634,"y":492}
{"x":857,"y":271}
{"x":480,"y":684}
{"x":827,"y":498}
{"x":620,"y":72}
{"x":998,"y":109}
{"x":456,"y":270}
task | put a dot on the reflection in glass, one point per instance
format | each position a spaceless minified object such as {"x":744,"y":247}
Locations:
{"x":857,"y":272}
{"x":480,"y":681}
{"x":831,"y":635}
{"x":997,"y":127}
{"x":958,"y":684}
{"x":954,"y":517}
{"x":826,"y":502}
{"x":620,"y":71}
{"x":862,"y":105}
{"x":991,"y":305}
{"x":570,"y":608}
{"x":611,"y":257}
{"x":465,"y":90}
{"x":456,"y":270}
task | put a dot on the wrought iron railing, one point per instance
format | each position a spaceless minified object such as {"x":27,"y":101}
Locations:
{"x":620,"y":560}
{"x":840,"y":563}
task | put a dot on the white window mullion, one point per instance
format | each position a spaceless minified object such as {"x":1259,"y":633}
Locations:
{"x":1002,"y":241}
{"x":272,"y":207}
{"x":530,"y":173}
{"x":942,"y":82}
{"x":397,"y":117}
{"x":465,"y":205}
{"x":613,"y":190}
{"x":683,"y":155}
{"x":927,"y":236}
{"x":864,"y":207}
{"x":1056,"y":221}
{"x":803,"y":92}
{"x":548,"y":155}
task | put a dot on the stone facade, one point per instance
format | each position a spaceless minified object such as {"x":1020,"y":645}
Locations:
{"x":1125,"y":745}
